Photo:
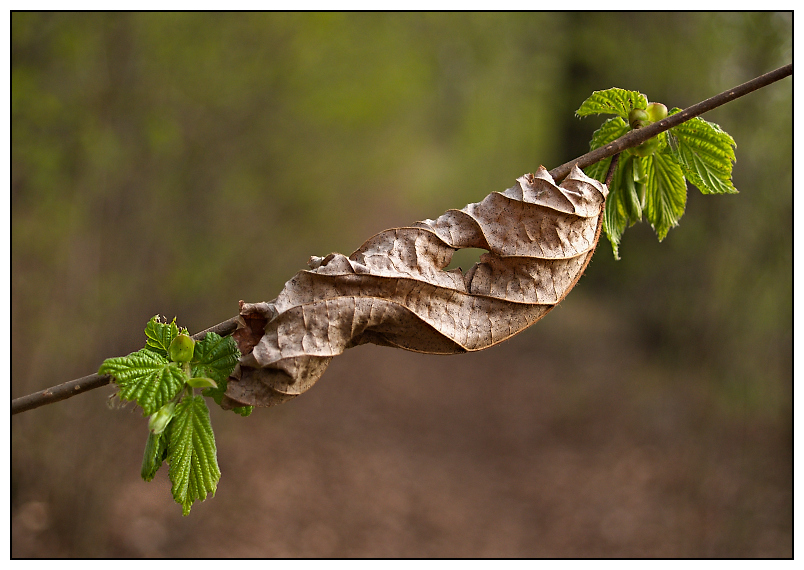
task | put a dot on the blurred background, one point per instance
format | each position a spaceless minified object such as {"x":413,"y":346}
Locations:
{"x":176,"y":163}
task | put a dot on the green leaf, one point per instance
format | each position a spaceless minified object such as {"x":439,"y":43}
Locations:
{"x":705,"y":154}
{"x":615,"y":217}
{"x":155,"y":454}
{"x":160,"y":420}
{"x":202,"y":383}
{"x":609,"y":131}
{"x":630,"y":197}
{"x":612,"y":101}
{"x":160,"y":335}
{"x":218,"y":393}
{"x":214,"y":357}
{"x":244,"y":411}
{"x":665,"y":191}
{"x":192,"y":454}
{"x":145,"y":377}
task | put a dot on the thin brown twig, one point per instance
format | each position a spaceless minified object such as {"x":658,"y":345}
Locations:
{"x":638,"y":136}
{"x":631,"y":139}
{"x":612,"y":168}
{"x":81,"y":385}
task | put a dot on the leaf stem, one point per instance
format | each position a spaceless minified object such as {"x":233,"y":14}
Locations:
{"x":631,"y":139}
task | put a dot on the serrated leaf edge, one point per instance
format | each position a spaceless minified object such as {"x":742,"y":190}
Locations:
{"x":612,"y":101}
{"x":220,"y":354}
{"x":192,"y":454}
{"x":145,"y":372}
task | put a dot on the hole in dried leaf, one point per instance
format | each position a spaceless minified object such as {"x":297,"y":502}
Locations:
{"x":465,"y":258}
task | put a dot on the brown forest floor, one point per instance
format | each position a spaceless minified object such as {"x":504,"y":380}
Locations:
{"x":549,"y":445}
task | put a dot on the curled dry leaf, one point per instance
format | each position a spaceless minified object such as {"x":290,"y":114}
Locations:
{"x":394,"y":290}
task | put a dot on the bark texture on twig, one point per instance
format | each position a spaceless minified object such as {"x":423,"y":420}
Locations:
{"x":638,"y":136}
{"x":81,"y":385}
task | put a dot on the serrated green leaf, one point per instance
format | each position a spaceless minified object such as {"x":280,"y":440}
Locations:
{"x":145,"y":377}
{"x":615,"y":217}
{"x":705,"y":153}
{"x":159,"y":335}
{"x":192,"y":454}
{"x":217,"y":395}
{"x":155,"y":454}
{"x":214,"y":357}
{"x":665,"y":192}
{"x":609,"y":131}
{"x":612,"y":101}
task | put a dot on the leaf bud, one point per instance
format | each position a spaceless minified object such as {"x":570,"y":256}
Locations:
{"x":161,"y":418}
{"x":630,"y":196}
{"x":638,"y":118}
{"x":656,"y":112}
{"x":201,"y":383}
{"x":181,"y":348}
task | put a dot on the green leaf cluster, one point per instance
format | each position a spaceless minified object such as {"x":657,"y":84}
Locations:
{"x":180,"y":431}
{"x":654,"y":187}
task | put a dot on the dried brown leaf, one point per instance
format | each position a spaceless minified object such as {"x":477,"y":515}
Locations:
{"x":394,"y":290}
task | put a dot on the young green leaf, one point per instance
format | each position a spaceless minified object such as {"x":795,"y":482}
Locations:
{"x":665,"y":192}
{"x":705,"y":154}
{"x":145,"y":377}
{"x":160,"y":335}
{"x":599,"y":169}
{"x":217,"y":395}
{"x":192,"y":454}
{"x":202,"y":383}
{"x":612,"y":101}
{"x":214,"y":357}
{"x":633,"y":207}
{"x":155,"y":454}
{"x":609,"y":131}
{"x":650,"y":146}
{"x":615,"y":216}
{"x":651,"y":179}
{"x":160,"y":420}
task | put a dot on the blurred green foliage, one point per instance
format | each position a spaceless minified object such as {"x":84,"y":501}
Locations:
{"x":176,"y":163}
{"x":213,"y":153}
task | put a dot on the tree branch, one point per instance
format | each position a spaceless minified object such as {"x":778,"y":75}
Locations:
{"x":81,"y":385}
{"x":631,"y":139}
{"x":638,"y":136}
